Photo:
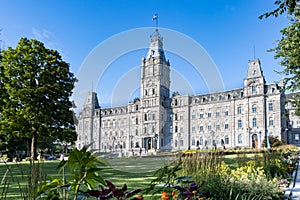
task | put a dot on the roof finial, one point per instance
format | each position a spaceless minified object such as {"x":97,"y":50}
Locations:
{"x":254,"y":52}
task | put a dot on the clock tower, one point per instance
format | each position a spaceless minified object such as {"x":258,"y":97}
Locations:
{"x":254,"y":83}
{"x":155,"y":92}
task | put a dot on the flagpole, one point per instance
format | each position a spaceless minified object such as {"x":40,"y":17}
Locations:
{"x":157,"y":22}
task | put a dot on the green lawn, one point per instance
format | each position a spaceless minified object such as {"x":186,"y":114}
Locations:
{"x":136,"y":172}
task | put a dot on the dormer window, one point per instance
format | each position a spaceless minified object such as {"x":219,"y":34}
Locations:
{"x":253,"y":89}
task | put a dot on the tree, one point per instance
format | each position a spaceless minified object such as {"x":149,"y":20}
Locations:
{"x":35,"y":87}
{"x":283,"y":6}
{"x":288,"y":47}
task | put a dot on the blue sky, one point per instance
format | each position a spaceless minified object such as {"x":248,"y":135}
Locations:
{"x":228,"y":30}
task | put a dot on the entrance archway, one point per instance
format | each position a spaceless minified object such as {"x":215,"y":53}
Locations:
{"x":254,"y":141}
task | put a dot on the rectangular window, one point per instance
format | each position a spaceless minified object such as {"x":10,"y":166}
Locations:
{"x":239,"y":123}
{"x":193,"y":129}
{"x":193,"y":115}
{"x":226,"y":113}
{"x":271,"y":121}
{"x":226,"y":126}
{"x":209,"y":127}
{"x":296,"y":137}
{"x":181,"y":116}
{"x":239,"y":110}
{"x":218,"y":126}
{"x":209,"y":115}
{"x":176,"y":129}
{"x":270,"y":106}
{"x":226,"y":139}
{"x":201,"y":115}
{"x":217,"y":113}
{"x":201,"y":128}
{"x":181,"y":143}
{"x":254,"y":122}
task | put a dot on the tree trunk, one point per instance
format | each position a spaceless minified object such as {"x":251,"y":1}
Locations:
{"x":33,"y":154}
{"x":34,"y":178}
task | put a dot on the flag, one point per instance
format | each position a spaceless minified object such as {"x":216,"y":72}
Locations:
{"x":155,"y":16}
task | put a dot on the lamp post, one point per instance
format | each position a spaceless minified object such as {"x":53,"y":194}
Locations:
{"x":287,"y":135}
{"x":63,"y":159}
{"x":155,"y":141}
{"x":130,"y":141}
{"x":249,"y":131}
{"x":179,"y":140}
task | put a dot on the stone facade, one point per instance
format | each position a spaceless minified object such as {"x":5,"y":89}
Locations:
{"x":235,"y":118}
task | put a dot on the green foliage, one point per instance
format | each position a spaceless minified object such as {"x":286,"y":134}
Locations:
{"x":252,"y":180}
{"x":35,"y":86}
{"x":283,"y":6}
{"x":288,"y":47}
{"x":21,"y":180}
{"x":166,"y":178}
{"x":82,"y":165}
{"x":274,"y":142}
{"x":248,"y":180}
{"x":83,"y":169}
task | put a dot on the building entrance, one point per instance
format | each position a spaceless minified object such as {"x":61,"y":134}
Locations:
{"x":254,"y":141}
{"x":147,"y":143}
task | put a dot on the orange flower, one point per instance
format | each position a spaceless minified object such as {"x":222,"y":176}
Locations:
{"x":164,"y":196}
{"x":174,"y":195}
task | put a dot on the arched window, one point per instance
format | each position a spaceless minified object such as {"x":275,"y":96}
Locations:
{"x":201,"y":140}
{"x":240,"y":139}
{"x":254,"y":108}
{"x":271,"y":121}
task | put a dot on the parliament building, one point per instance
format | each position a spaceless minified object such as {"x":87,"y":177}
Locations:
{"x":162,"y":121}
